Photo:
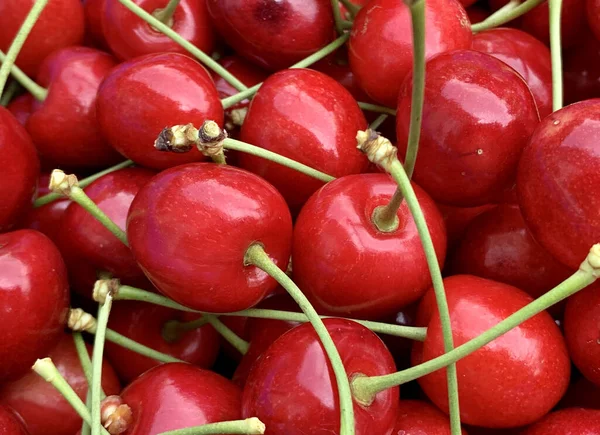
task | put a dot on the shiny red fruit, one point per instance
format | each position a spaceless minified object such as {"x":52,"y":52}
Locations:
{"x":11,"y":423}
{"x":20,"y":107}
{"x":457,"y":219}
{"x":417,"y":417}
{"x":568,"y":421}
{"x":292,"y":387}
{"x":510,"y":382}
{"x":478,"y":115}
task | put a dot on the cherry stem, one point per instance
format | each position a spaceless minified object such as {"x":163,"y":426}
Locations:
{"x":38,"y":92}
{"x":337,"y":16}
{"x":191,"y":48}
{"x":19,"y":40}
{"x":378,"y":121}
{"x":97,"y":355}
{"x":48,"y":371}
{"x":232,"y":338}
{"x":351,"y":7}
{"x":587,"y":273}
{"x":256,"y":256}
{"x":249,"y":426}
{"x":84,"y":359}
{"x":555,"y":7}
{"x":11,"y":89}
{"x":165,"y":15}
{"x":503,"y":16}
{"x":173,"y":330}
{"x":376,"y":108}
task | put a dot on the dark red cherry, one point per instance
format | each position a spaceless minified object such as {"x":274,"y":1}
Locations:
{"x":457,"y":220}
{"x":528,"y":56}
{"x":477,"y":13}
{"x":581,"y":394}
{"x":510,"y":382}
{"x":64,"y":127}
{"x":45,"y":410}
{"x":146,"y":94}
{"x":177,"y":395}
{"x":292,"y":388}
{"x":345,"y":265}
{"x":581,"y":70}
{"x":568,"y":421}
{"x":380,"y":49}
{"x":559,"y":175}
{"x":60,"y":25}
{"x":478,"y":115}
{"x":336,"y":66}
{"x":190,"y":227}
{"x":417,"y":417}
{"x":11,"y":423}
{"x":147,"y":324}
{"x":238,"y":325}
{"x":273,"y":34}
{"x":400,"y":347}
{"x":94,"y":15}
{"x":308,"y":117}
{"x":573,"y":22}
{"x":20,"y":107}
{"x":20,"y":170}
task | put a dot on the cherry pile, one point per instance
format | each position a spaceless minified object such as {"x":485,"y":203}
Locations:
{"x":374,"y":217}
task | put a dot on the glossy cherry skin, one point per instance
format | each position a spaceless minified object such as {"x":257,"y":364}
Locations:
{"x":144,"y":323}
{"x":417,"y":417}
{"x":11,"y":423}
{"x":344,"y":264}
{"x":20,"y":170}
{"x":273,"y":34}
{"x":567,"y":422}
{"x":581,"y":70}
{"x":146,"y":94}
{"x":64,"y":127}
{"x":457,"y":220}
{"x":61,"y":24}
{"x":478,"y":115}
{"x":386,"y":24}
{"x":309,"y":117}
{"x":528,"y":56}
{"x":510,"y":382}
{"x":129,"y":36}
{"x":189,"y":229}
{"x":20,"y":107}
{"x":557,"y":184}
{"x":177,"y":395}
{"x":292,"y":387}
{"x":43,"y":409}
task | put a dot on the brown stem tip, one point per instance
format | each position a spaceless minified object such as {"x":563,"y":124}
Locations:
{"x":103,"y":287}
{"x":79,"y":321}
{"x":116,"y":416}
{"x":377,"y":148}
{"x":210,"y":138}
{"x":591,"y":263}
{"x":177,"y":139}
{"x":62,"y":183}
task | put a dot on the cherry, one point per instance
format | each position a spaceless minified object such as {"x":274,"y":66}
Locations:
{"x":11,"y":423}
{"x":566,"y":422}
{"x":238,"y":325}
{"x":20,"y":107}
{"x":147,"y":324}
{"x":581,"y":69}
{"x":42,"y":408}
{"x":142,"y":96}
{"x":308,"y":117}
{"x":477,"y":13}
{"x":400,"y":347}
{"x":417,"y":417}
{"x":94,"y":14}
{"x":63,"y":126}
{"x":581,"y":394}
{"x":343,"y":263}
{"x":129,"y":36}
{"x":457,"y":219}
{"x":558,"y":172}
{"x":510,"y":382}
{"x":60,"y":25}
{"x":292,"y":388}
{"x":380,"y":47}
{"x":528,"y":56}
{"x":273,"y":34}
{"x":468,"y":152}
{"x":20,"y":170}
{"x":337,"y":67}
{"x":189,"y":229}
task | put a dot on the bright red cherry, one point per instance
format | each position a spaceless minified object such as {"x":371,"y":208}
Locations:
{"x":380,"y":49}
{"x":308,"y":117}
{"x":568,"y":421}
{"x":20,"y":107}
{"x":581,"y":70}
{"x":557,"y":184}
{"x":510,"y":382}
{"x":528,"y":56}
{"x":416,"y":417}
{"x":144,"y":95}
{"x":45,"y":410}
{"x":478,"y":115}
{"x":345,"y":265}
{"x":147,"y":324}
{"x":190,"y":227}
{"x":273,"y":34}
{"x":292,"y":388}
{"x":11,"y":423}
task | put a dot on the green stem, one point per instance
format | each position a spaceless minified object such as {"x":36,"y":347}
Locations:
{"x":10,"y":91}
{"x":97,"y":355}
{"x":256,"y":256}
{"x":84,"y":359}
{"x":19,"y":40}
{"x":165,"y":15}
{"x":337,"y":16}
{"x":376,"y":108}
{"x":351,"y":7}
{"x":38,"y":92}
{"x":250,"y":426}
{"x":509,"y":14}
{"x":191,"y":48}
{"x":555,"y":7}
{"x":85,"y":428}
{"x":378,"y":121}
{"x":238,"y":343}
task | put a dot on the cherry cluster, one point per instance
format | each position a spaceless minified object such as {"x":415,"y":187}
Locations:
{"x":288,"y":217}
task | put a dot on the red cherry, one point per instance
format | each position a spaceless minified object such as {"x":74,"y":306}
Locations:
{"x":64,"y":127}
{"x":557,"y":180}
{"x":336,"y":66}
{"x":273,"y":34}
{"x":348,"y":267}
{"x":292,"y":387}
{"x":512,"y":381}
{"x":20,"y":170}
{"x":11,"y":423}
{"x":142,"y":96}
{"x":380,"y":49}
{"x":457,"y":219}
{"x":581,"y":394}
{"x":581,"y":69}
{"x":528,"y":56}
{"x":308,"y":117}
{"x":566,"y":422}
{"x":189,"y":229}
{"x":238,"y":325}
{"x":45,"y":410}
{"x":536,"y":22}
{"x":20,"y":107}
{"x":400,"y":347}
{"x":477,"y":13}
{"x":94,"y":14}
{"x":145,"y":323}
{"x":177,"y":395}
{"x":478,"y":115}
{"x":417,"y":417}
{"x":60,"y":25}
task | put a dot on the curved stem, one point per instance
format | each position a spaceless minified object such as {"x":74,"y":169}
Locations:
{"x":97,"y":355}
{"x":497,"y":19}
{"x":376,"y":108}
{"x":256,"y":256}
{"x":165,"y":15}
{"x":337,"y":16}
{"x":19,"y":40}
{"x":555,"y":7}
{"x":232,"y":338}
{"x":10,"y":91}
{"x":351,"y":7}
{"x":378,"y":121}
{"x":38,"y":92}
{"x":249,"y":426}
